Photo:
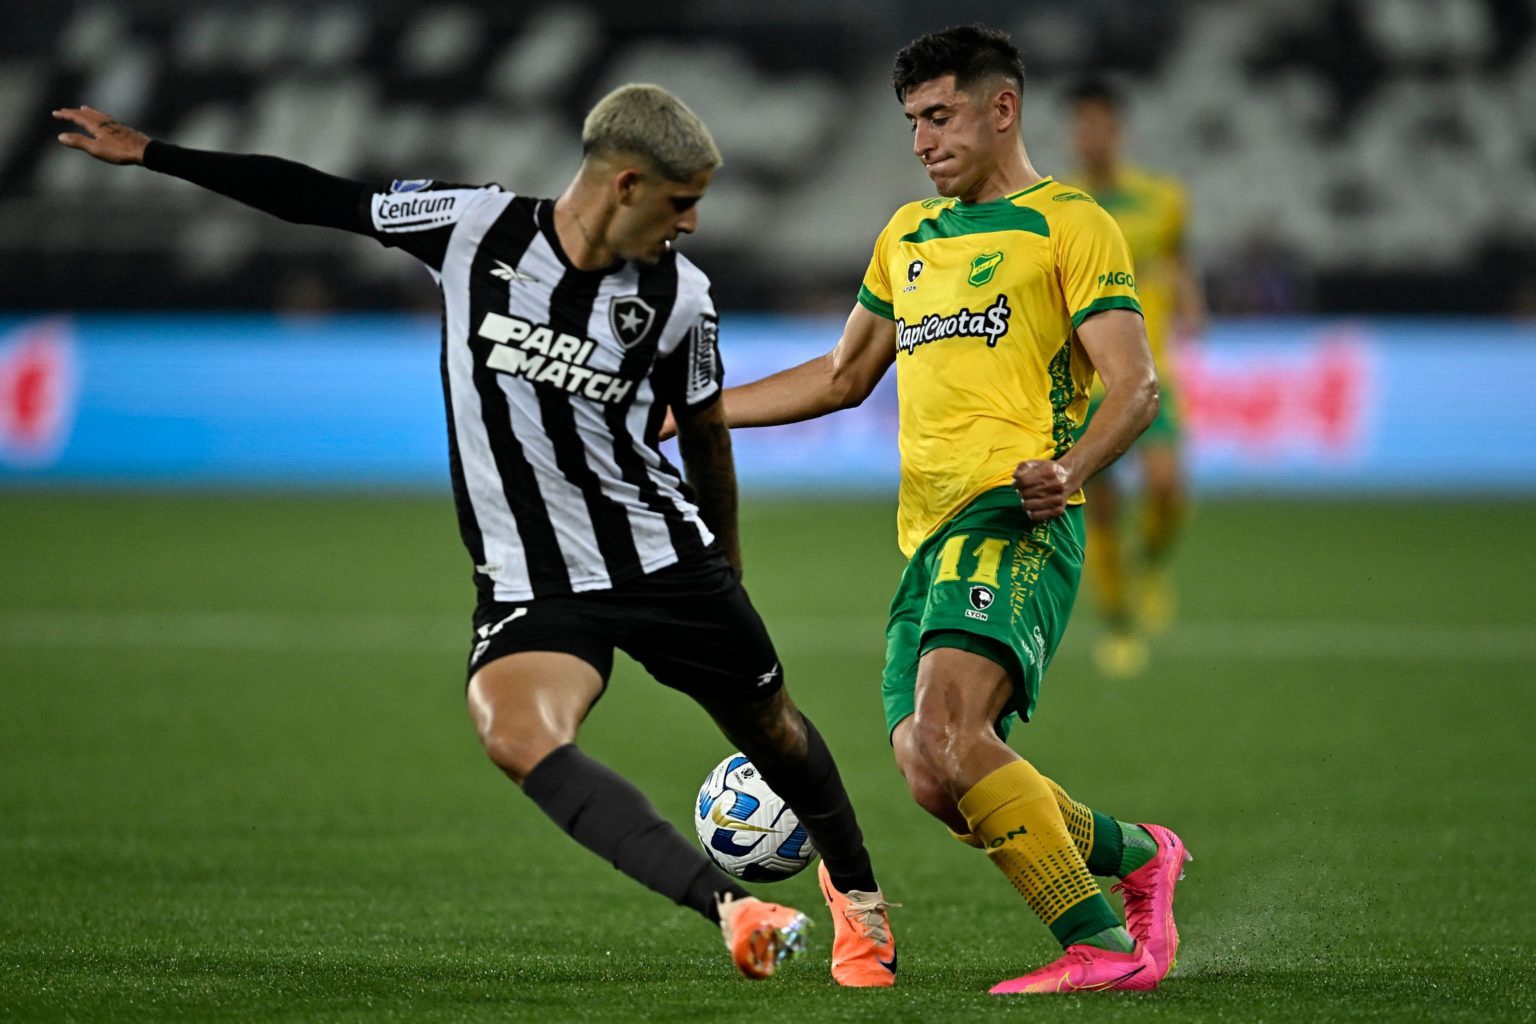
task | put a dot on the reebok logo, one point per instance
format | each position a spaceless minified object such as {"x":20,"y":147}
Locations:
{"x":506,"y":273}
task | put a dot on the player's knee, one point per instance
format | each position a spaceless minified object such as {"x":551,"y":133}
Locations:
{"x":938,"y":746}
{"x":516,"y":751}
{"x":920,"y":754}
{"x":929,"y":792}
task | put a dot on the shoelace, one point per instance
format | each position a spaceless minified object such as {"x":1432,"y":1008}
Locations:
{"x":869,"y":918}
{"x":1139,"y":910}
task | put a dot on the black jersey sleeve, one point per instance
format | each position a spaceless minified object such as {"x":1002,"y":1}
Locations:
{"x":283,"y":188}
{"x":416,"y":215}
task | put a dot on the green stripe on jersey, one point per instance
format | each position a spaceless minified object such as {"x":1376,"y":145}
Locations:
{"x":1099,"y":306}
{"x":959,"y":220}
{"x":875,"y":304}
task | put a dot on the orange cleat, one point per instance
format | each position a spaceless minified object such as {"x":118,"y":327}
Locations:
{"x":863,"y":948}
{"x":761,"y":935}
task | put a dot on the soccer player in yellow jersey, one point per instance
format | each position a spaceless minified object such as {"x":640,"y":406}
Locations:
{"x":1152,"y":212}
{"x":998,"y":302}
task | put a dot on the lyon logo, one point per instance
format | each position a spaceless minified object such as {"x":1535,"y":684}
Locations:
{"x":630,"y":318}
{"x":981,"y":598}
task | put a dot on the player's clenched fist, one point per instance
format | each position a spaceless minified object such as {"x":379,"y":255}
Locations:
{"x":1042,"y":487}
{"x":105,"y":137}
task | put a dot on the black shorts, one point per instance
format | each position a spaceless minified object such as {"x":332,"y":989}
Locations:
{"x":691,"y":626}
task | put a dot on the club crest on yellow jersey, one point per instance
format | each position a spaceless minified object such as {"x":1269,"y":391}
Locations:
{"x":983,"y":267}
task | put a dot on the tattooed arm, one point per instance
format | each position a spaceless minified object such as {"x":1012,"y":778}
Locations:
{"x":704,"y":440}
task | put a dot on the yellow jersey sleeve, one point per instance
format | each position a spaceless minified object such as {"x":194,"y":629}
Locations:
{"x":876,"y":293}
{"x":1093,"y":263}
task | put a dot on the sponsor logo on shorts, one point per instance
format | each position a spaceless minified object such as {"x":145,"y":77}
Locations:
{"x":486,"y":632}
{"x":409,"y":184}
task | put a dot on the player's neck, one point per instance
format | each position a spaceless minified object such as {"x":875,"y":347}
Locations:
{"x":1013,"y":174}
{"x":580,"y":226}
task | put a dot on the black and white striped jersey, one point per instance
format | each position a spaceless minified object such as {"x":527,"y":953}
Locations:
{"x":556,"y":381}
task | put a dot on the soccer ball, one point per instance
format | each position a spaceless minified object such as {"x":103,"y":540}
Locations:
{"x":746,"y":829}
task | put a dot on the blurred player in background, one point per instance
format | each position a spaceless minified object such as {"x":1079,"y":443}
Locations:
{"x":997,"y":304}
{"x":1135,"y":588}
{"x":570,"y":328}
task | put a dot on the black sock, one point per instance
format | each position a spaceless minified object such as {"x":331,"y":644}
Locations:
{"x":604,"y":812}
{"x":814,"y":791}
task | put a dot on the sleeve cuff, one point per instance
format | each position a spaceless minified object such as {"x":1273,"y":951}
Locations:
{"x":155,"y":154}
{"x":1100,"y":306}
{"x":876,"y":305}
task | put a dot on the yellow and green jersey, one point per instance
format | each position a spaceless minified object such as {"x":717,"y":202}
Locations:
{"x":1153,"y":214}
{"x":987,"y":299}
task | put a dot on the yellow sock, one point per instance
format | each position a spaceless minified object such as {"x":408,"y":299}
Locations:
{"x":1104,"y":558}
{"x":968,"y":839}
{"x":1014,"y":812}
{"x":1161,"y":520}
{"x":1078,"y":818}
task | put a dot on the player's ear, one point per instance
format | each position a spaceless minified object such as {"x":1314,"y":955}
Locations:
{"x":626,"y":183}
{"x":1005,"y":110}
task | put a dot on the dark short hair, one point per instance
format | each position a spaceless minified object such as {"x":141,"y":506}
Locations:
{"x":1097,"y":90}
{"x":969,"y":52}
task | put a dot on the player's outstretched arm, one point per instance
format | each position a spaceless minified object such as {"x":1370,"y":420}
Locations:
{"x":841,"y":379}
{"x":282,"y":188}
{"x":704,"y":441}
{"x":1116,"y":341}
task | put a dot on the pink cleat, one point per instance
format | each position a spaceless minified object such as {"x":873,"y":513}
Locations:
{"x":1087,"y":969}
{"x":1148,"y":893}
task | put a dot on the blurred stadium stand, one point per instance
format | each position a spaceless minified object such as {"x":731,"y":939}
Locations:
{"x":1344,"y":155}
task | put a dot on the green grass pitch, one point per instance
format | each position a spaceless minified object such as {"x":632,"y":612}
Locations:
{"x":237,"y":781}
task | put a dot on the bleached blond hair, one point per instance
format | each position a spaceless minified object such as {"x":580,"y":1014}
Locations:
{"x":651,"y":123}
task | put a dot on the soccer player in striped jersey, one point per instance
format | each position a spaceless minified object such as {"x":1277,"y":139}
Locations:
{"x":1135,"y":590}
{"x":997,"y":302}
{"x":570,"y":329}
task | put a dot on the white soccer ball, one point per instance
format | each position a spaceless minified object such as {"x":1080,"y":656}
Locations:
{"x":746,"y":829}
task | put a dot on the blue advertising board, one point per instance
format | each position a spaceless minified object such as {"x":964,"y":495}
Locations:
{"x":356,"y":402}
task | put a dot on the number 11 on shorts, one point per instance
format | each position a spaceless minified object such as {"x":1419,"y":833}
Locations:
{"x":988,"y":555}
